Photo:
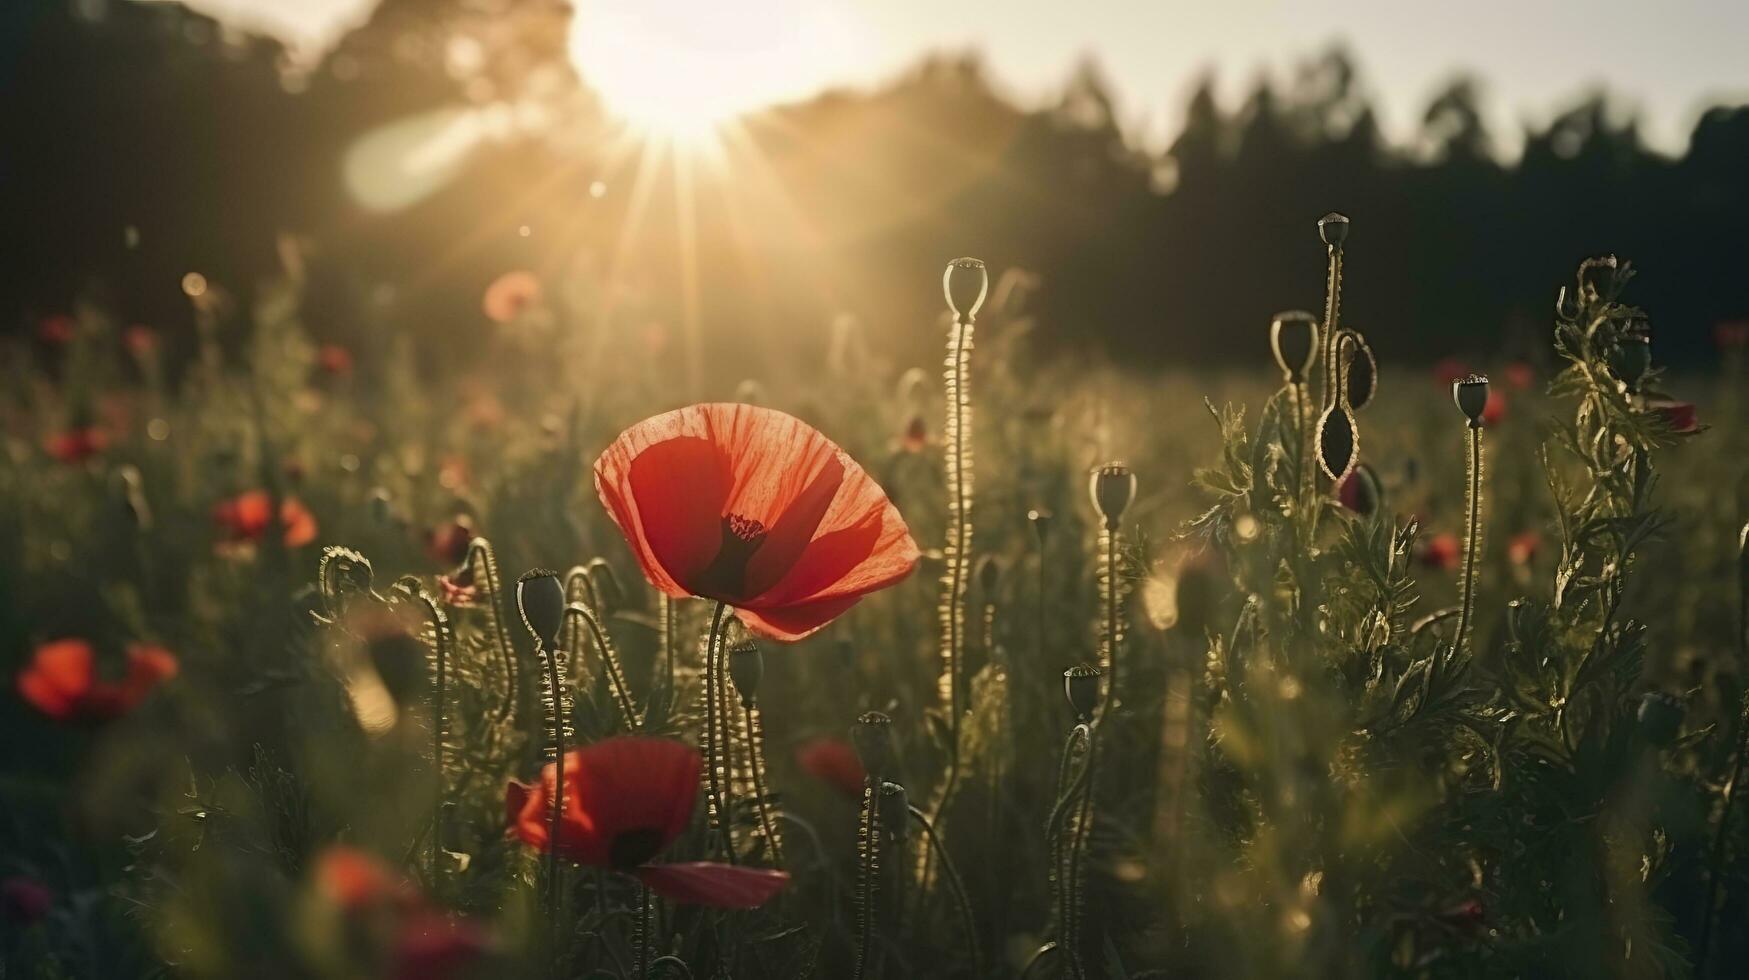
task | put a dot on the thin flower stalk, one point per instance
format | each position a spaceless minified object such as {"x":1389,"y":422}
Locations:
{"x":622,"y":695}
{"x":482,"y":565}
{"x":755,"y":728}
{"x":442,"y":652}
{"x":868,"y":870}
{"x":716,"y":733}
{"x":956,"y":885}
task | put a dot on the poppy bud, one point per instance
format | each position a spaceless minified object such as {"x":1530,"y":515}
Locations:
{"x":1293,"y":336}
{"x":1333,"y":229}
{"x":1081,"y":684}
{"x":746,"y":669}
{"x":1361,"y":491}
{"x":1040,"y":519}
{"x":895,"y":812}
{"x":872,"y":737}
{"x":1660,"y":717}
{"x":965,"y":284}
{"x":1112,"y":487}
{"x":540,"y":598}
{"x":989,"y":576}
{"x":1471,"y":396}
{"x":1630,"y":360}
{"x":608,"y":592}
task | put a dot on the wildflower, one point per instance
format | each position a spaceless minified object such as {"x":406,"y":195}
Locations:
{"x":76,"y":445}
{"x":1442,"y":551}
{"x":832,"y":761}
{"x":61,"y":680}
{"x":1523,"y":547}
{"x":1519,"y":375}
{"x":245,"y":517}
{"x":625,"y":800}
{"x":1494,"y":412}
{"x":355,"y":880}
{"x":334,"y":359}
{"x":510,"y":295}
{"x":458,"y":589}
{"x":1450,"y":370}
{"x":1678,"y":417}
{"x":57,"y":330}
{"x":755,"y":509}
{"x":447,"y":544}
{"x":25,"y":901}
{"x":432,"y":945}
{"x":140,"y":340}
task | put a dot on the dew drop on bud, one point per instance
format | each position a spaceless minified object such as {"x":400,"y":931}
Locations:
{"x":965,"y":283}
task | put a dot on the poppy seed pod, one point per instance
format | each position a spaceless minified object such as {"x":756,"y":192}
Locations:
{"x":1112,"y":487}
{"x":965,"y":283}
{"x":1660,"y":717}
{"x":1333,"y":229}
{"x":872,"y":737}
{"x":1040,"y":519}
{"x":1081,"y":684}
{"x":1630,"y":360}
{"x":540,"y":599}
{"x":1471,"y":396}
{"x":746,"y":670}
{"x":1293,"y":336}
{"x":895,"y":805}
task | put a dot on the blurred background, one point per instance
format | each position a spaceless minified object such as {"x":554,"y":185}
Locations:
{"x":738,"y":175}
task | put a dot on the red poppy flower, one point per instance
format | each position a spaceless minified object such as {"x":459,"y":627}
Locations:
{"x":510,"y":295}
{"x":61,"y":680}
{"x":76,"y":445}
{"x":756,"y":509}
{"x":24,"y":900}
{"x":434,"y":946}
{"x":1678,"y":416}
{"x":458,"y":589}
{"x":1442,"y":551}
{"x":625,"y":799}
{"x":1519,"y":375}
{"x":334,"y":359}
{"x":140,"y":340}
{"x":1494,"y":411}
{"x":57,"y":330}
{"x":833,"y":762}
{"x":448,"y":543}
{"x":1523,"y":547}
{"x":354,"y":880}
{"x":1449,"y":369}
{"x":915,"y":438}
{"x":246,"y":516}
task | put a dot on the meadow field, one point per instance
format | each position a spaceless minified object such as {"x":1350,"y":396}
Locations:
{"x":1134,"y":688}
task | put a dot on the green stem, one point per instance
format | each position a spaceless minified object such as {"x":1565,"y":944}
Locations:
{"x":1109,"y":586}
{"x":484,"y":565}
{"x":714,"y":766}
{"x":643,"y":931}
{"x":622,"y":694}
{"x":1472,"y":539}
{"x":556,"y":708}
{"x":955,"y":884}
{"x":867,"y":875}
{"x":756,"y":756}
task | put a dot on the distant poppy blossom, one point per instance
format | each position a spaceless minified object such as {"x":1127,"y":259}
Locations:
{"x":1494,"y":411}
{"x":57,"y":330}
{"x":1678,"y":416}
{"x":1523,"y":547}
{"x":1448,"y":370}
{"x":246,"y":517}
{"x":76,"y":445}
{"x":1519,"y":375}
{"x":355,"y":880}
{"x":915,"y":438}
{"x":1731,"y":334}
{"x":447,"y":544}
{"x":755,"y":509}
{"x":834,"y":762}
{"x":510,"y":295}
{"x":61,"y":680}
{"x":140,"y":340}
{"x":334,"y":359}
{"x":625,"y":800}
{"x":1442,"y":551}
{"x":458,"y":589}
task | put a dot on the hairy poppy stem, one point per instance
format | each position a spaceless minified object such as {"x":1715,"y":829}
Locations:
{"x":1062,"y":866}
{"x":1108,"y":587}
{"x":616,"y":680}
{"x":868,"y":869}
{"x":1332,"y":310}
{"x":441,"y":642}
{"x":666,"y":632}
{"x":1472,"y":537}
{"x":643,"y":938}
{"x":958,"y":457}
{"x":483,"y":566}
{"x":1717,"y":850}
{"x":756,"y":754}
{"x":555,"y":699}
{"x":715,"y":767}
{"x":955,"y":884}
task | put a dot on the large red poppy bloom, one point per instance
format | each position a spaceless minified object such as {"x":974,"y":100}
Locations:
{"x":61,"y":680}
{"x":625,"y":800}
{"x":756,"y":509}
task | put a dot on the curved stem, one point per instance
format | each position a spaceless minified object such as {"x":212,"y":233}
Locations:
{"x":1332,"y":310}
{"x":1078,"y":845}
{"x":1109,"y":586}
{"x":756,"y":756}
{"x":483,"y":564}
{"x":643,"y":938}
{"x":622,"y":694}
{"x":957,"y":886}
{"x":556,"y":709}
{"x":714,"y":768}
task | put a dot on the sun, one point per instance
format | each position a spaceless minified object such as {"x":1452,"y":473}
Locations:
{"x":679,"y":71}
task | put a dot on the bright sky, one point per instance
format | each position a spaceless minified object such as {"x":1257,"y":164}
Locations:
{"x":1669,"y":58}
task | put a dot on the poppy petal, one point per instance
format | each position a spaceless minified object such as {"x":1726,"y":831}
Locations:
{"x":59,"y":677}
{"x":723,"y":886}
{"x":631,"y":783}
{"x":666,"y":491}
{"x":148,"y":666}
{"x":789,"y":537}
{"x":787,"y":624}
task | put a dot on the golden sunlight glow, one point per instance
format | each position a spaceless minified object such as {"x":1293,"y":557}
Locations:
{"x":678,"y":70}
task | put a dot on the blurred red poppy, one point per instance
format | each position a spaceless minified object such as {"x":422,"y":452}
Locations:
{"x":510,"y":295}
{"x":140,"y":340}
{"x":625,"y":800}
{"x":1519,"y":375}
{"x":1731,"y":334}
{"x":334,"y":359}
{"x":1494,"y":411}
{"x":834,"y":762}
{"x":61,"y":680}
{"x":447,"y":544}
{"x":1449,"y":369}
{"x":24,"y":900}
{"x":354,"y":880}
{"x":458,"y":589}
{"x":916,"y":435}
{"x":435,"y":946}
{"x":1678,"y":416}
{"x":57,"y":330}
{"x":1523,"y":547}
{"x":756,"y":509}
{"x":246,"y":516}
{"x":76,"y":445}
{"x":1442,"y":551}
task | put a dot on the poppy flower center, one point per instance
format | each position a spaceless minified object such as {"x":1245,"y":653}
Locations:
{"x":634,"y":848}
{"x":726,"y":576}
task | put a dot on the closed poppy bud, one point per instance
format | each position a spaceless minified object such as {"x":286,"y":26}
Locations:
{"x":1081,"y":684}
{"x":1333,"y":229}
{"x":1040,"y":519}
{"x":540,"y":598}
{"x":746,"y":670}
{"x":1660,"y":717}
{"x":965,"y":284}
{"x":1361,"y":491}
{"x":1471,"y":396}
{"x":872,"y":736}
{"x":1630,"y":360}
{"x":895,"y":806}
{"x":1293,"y":336}
{"x":1112,"y":487}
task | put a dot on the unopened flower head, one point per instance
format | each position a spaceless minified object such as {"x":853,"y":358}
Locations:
{"x":872,"y":737}
{"x":540,"y":599}
{"x":1471,"y":396}
{"x":1081,"y":684}
{"x":1333,"y":229}
{"x":746,"y":669}
{"x":1293,"y":336}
